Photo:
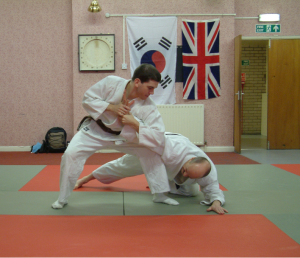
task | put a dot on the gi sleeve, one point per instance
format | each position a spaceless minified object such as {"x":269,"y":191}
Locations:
{"x":211,"y":193}
{"x":94,"y":99}
{"x":151,"y":131}
{"x":130,"y":134}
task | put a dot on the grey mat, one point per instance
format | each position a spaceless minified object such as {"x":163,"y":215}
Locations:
{"x":12,"y":178}
{"x":288,"y":223}
{"x":273,"y":156}
{"x":81,"y":203}
{"x":262,"y":202}
{"x":261,"y":177}
{"x":140,"y":203}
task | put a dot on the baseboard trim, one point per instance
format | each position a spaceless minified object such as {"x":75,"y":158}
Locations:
{"x":204,"y":148}
{"x":15,"y":148}
{"x":217,"y":148}
{"x":107,"y":151}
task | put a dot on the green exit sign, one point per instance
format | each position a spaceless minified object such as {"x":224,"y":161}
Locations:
{"x":267,"y":28}
{"x":245,"y":62}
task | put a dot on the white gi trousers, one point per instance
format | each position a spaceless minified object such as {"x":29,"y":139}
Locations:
{"x":84,"y":145}
{"x":127,"y":166}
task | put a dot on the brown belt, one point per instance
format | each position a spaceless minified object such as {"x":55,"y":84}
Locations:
{"x":106,"y":129}
{"x":100,"y":123}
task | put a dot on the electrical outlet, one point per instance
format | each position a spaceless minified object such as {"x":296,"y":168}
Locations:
{"x":124,"y":66}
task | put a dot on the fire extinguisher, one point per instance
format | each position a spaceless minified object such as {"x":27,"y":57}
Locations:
{"x":243,"y":81}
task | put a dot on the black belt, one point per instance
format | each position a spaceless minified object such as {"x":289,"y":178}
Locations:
{"x":100,"y":123}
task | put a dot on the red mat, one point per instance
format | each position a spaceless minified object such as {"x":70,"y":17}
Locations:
{"x":144,"y":236}
{"x":293,"y":168}
{"x":27,"y":158}
{"x":230,"y":158}
{"x":48,"y":180}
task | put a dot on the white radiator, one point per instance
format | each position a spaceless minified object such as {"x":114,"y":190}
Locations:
{"x":187,"y":120}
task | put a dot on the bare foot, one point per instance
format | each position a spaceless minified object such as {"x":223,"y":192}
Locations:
{"x":81,"y":182}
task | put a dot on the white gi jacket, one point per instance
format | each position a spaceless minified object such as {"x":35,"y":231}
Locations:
{"x":178,"y":150}
{"x":151,"y":130}
{"x":110,"y":90}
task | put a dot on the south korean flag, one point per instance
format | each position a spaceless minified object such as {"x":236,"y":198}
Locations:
{"x":152,"y":40}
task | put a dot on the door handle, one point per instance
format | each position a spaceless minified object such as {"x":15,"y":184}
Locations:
{"x":240,"y":95}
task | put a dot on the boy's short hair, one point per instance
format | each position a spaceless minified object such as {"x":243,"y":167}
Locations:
{"x":146,"y":72}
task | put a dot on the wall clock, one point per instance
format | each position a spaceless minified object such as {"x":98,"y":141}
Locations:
{"x":96,"y":52}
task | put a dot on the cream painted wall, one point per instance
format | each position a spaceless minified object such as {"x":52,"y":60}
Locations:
{"x":288,"y":10}
{"x":41,"y":87}
{"x":35,"y":69}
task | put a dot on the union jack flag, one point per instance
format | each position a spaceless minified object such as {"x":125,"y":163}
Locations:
{"x":201,"y":59}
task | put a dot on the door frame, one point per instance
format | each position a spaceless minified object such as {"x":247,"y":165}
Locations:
{"x":237,"y":94}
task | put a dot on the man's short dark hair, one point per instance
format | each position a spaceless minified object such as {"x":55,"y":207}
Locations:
{"x":146,"y":72}
{"x":199,"y":160}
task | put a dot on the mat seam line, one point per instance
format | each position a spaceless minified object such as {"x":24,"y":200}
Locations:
{"x":123,"y":204}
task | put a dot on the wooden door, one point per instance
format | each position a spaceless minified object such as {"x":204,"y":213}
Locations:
{"x":237,"y":93}
{"x":284,"y":94}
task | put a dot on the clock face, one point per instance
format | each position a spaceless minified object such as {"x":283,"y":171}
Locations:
{"x":96,"y":52}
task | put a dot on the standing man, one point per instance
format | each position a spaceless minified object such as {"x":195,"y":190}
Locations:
{"x":111,"y":126}
{"x":187,"y":166}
